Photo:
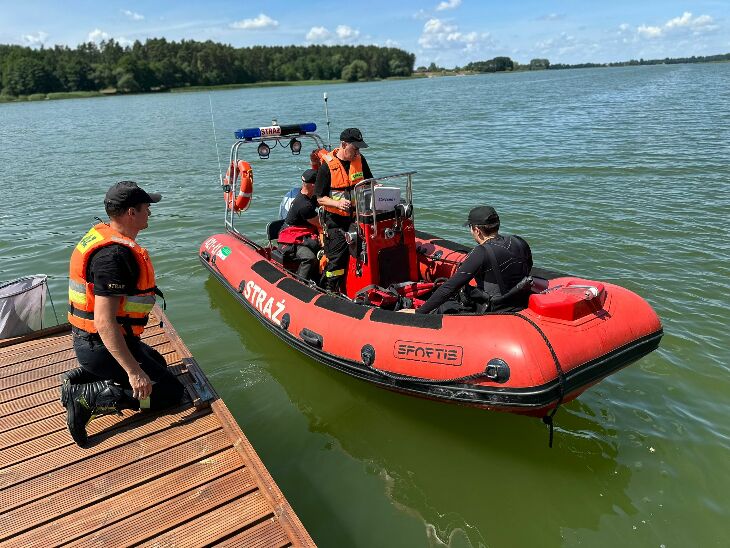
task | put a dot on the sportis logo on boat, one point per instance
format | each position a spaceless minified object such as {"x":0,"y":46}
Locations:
{"x":444,"y":354}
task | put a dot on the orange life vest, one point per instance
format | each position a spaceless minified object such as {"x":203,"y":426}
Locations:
{"x":342,"y":182}
{"x":134,"y":309}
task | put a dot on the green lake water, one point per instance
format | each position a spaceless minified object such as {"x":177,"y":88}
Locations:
{"x":621,"y":175}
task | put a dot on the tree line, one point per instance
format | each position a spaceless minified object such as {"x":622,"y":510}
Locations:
{"x":505,"y":64}
{"x":498,"y":64}
{"x":158,"y":64}
{"x":634,"y":62}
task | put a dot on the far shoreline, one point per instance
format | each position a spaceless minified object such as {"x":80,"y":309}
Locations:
{"x":294,"y":83}
{"x":187,"y":89}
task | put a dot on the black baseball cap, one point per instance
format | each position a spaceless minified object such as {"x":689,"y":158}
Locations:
{"x":354,"y":136}
{"x":483,"y":216}
{"x":128,"y":194}
{"x":309,"y":176}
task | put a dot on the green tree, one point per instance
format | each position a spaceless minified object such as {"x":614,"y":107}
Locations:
{"x":355,"y":71}
{"x":539,"y":64}
{"x":127,"y":84}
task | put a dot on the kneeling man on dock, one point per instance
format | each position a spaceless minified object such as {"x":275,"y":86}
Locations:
{"x":111,"y":293}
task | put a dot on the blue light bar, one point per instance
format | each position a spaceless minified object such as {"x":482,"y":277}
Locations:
{"x":275,"y":131}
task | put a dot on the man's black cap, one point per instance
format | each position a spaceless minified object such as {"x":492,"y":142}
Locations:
{"x":128,"y":194}
{"x":309,"y":176}
{"x":483,"y":216}
{"x":354,"y":136}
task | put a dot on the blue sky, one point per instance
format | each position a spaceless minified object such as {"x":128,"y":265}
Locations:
{"x":447,"y":32}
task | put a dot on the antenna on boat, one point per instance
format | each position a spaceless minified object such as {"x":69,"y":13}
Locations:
{"x":327,"y":116}
{"x":215,"y":138}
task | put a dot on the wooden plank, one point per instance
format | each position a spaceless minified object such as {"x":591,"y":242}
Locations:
{"x":119,"y":474}
{"x":18,"y":342}
{"x":289,"y":520}
{"x":34,"y":430}
{"x":267,"y":534}
{"x":29,"y":416}
{"x":216,"y":523}
{"x":28,"y":402}
{"x":64,"y":456}
{"x":158,"y":523}
{"x":127,"y":504}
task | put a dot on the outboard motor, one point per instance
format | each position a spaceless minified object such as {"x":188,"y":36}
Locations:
{"x":382,"y":240}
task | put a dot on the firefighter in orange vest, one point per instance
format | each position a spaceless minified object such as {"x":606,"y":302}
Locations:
{"x":111,"y":293}
{"x":340,"y":171}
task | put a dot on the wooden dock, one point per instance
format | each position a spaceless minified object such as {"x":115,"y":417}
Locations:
{"x":187,"y":477}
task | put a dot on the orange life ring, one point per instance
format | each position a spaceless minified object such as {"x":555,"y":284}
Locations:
{"x":245,"y":193}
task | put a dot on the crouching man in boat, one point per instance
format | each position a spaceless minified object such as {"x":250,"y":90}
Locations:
{"x":300,"y":235}
{"x":111,"y":293}
{"x":340,"y":171}
{"x":500,"y":265}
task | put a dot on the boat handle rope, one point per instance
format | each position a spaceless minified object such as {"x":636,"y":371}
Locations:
{"x":548,"y":419}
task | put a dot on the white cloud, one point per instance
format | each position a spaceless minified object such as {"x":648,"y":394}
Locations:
{"x":318,"y":34}
{"x":438,"y":34}
{"x":263,"y":21}
{"x":133,"y":15}
{"x":98,"y":35}
{"x":448,"y":5}
{"x":686,"y":20}
{"x":649,"y":31}
{"x":391,"y":43}
{"x":347,"y":34}
{"x":684,"y":23}
{"x":343,"y":34}
{"x":37,"y":39}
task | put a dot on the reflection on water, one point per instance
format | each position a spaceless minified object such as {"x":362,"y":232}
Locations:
{"x":460,"y":470}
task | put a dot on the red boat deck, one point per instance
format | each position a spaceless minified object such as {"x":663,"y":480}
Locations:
{"x":188,"y":477}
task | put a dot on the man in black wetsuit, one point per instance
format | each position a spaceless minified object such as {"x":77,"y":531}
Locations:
{"x":340,"y":171}
{"x":499,"y":264}
{"x":300,"y":235}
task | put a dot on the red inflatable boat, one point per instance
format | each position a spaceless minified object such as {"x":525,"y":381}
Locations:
{"x":573,"y":333}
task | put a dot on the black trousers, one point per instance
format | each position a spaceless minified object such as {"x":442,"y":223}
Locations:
{"x":338,"y":258}
{"x":306,"y":256}
{"x":94,"y":358}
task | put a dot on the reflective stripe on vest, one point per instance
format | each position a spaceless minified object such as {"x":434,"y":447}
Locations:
{"x":76,"y":292}
{"x":140,"y":304}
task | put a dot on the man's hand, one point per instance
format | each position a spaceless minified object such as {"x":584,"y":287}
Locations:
{"x":344,"y":204}
{"x":141,"y":385}
{"x":105,"y":321}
